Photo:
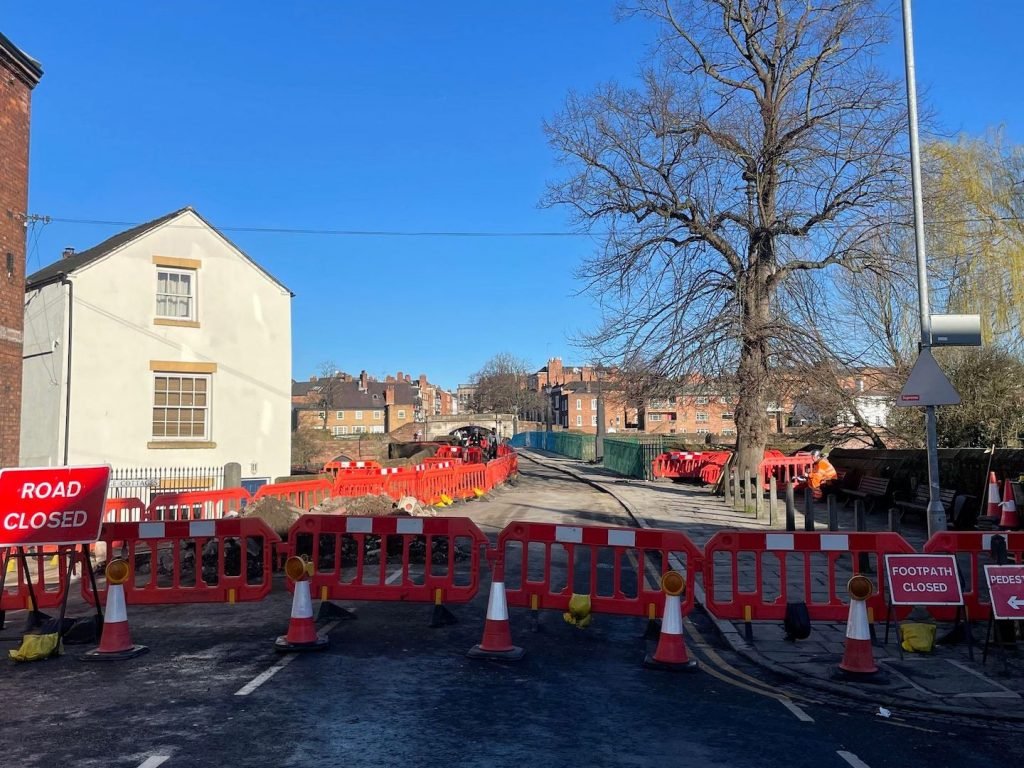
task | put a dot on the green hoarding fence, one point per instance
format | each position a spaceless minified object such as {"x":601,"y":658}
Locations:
{"x":570,"y":444}
{"x":632,"y":456}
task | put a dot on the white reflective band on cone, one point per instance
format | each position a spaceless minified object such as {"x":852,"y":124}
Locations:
{"x":302,"y":606}
{"x":116,"y":610}
{"x":497,"y":610}
{"x":993,"y":493}
{"x":672,"y":621}
{"x":857,"y":626}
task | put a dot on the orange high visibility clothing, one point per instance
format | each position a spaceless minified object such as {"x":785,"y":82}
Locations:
{"x":821,"y":472}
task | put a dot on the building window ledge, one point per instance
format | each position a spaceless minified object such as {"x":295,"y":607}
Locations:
{"x":169,"y":444}
{"x":176,"y":323}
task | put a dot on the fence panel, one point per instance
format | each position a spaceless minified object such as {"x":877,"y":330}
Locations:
{"x":304,"y":494}
{"x":47,"y":573}
{"x":198,"y":505}
{"x":146,"y":482}
{"x":973,"y":553}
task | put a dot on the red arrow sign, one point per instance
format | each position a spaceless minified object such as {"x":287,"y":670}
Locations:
{"x":57,"y":505}
{"x":1006,"y":588}
{"x":923,"y":580}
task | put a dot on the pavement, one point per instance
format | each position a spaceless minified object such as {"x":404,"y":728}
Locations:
{"x":947,"y":680}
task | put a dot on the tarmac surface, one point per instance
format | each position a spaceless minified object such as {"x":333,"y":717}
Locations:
{"x":390,"y":691}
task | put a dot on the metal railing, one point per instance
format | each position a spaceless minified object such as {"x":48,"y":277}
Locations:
{"x":145,"y":482}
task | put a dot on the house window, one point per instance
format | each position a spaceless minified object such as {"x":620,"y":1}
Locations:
{"x":728,"y":432}
{"x":338,"y":431}
{"x":401,"y":414}
{"x":654,"y":417}
{"x":377,"y":429}
{"x":176,"y":293}
{"x":359,"y":415}
{"x":727,"y":416}
{"x":376,"y":415}
{"x":321,"y":415}
{"x":181,"y":407}
{"x":339,"y":415}
{"x":723,"y":400}
{"x":593,"y":404}
{"x":878,"y":421}
{"x":618,"y":421}
{"x":579,"y":405}
{"x":702,"y":416}
{"x":358,"y":430}
{"x":702,"y":401}
{"x":702,"y":430}
{"x":593,"y":421}
{"x":579,"y":421}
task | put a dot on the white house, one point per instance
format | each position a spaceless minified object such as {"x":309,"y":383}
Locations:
{"x":163,"y":346}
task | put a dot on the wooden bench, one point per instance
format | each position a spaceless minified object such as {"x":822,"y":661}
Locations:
{"x":919,"y":504}
{"x":869,"y":488}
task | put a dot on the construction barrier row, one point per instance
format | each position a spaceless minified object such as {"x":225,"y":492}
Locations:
{"x":705,"y":466}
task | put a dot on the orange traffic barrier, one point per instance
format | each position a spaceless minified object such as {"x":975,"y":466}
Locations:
{"x":304,"y":494}
{"x":197,"y":505}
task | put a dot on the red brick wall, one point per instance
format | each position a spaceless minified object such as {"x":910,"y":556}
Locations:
{"x":15,"y":99}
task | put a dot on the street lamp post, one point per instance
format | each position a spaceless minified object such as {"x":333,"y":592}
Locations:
{"x":936,"y":512}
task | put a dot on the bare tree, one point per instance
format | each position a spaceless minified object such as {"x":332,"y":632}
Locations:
{"x":328,"y":380}
{"x":501,"y":386}
{"x":760,"y":146}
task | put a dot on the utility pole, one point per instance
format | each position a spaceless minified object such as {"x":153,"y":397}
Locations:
{"x":936,"y":512}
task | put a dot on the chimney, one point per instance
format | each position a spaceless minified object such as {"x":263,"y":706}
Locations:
{"x":68,"y":252}
{"x":389,"y":379}
{"x":312,"y":379}
{"x":389,"y":394}
{"x":408,"y":379}
{"x":363,"y":381}
{"x":423,"y":380}
{"x":400,"y":377}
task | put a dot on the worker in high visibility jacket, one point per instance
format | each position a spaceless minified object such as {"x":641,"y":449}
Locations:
{"x":822,"y":472}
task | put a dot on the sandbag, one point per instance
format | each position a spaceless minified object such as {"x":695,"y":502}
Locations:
{"x":917,"y":638}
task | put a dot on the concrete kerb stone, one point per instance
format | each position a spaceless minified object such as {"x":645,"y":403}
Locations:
{"x":739,"y":645}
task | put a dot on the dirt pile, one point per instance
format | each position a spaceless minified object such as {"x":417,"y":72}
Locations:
{"x":277,"y":514}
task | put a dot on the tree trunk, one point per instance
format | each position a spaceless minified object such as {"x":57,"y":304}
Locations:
{"x":752,"y":373}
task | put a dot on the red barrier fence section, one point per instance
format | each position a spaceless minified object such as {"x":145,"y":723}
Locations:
{"x":349,"y":467}
{"x":469,"y":479}
{"x":48,"y":578}
{"x":304,"y":494}
{"x":347,"y":486}
{"x":619,"y":568}
{"x":501,"y":469}
{"x":972,"y":550}
{"x":785,"y":468}
{"x":752,"y":575}
{"x":705,"y":466}
{"x":198,"y":505}
{"x":417,"y":559}
{"x":435,"y":482}
{"x":197,"y":561}
{"x":127,"y":510}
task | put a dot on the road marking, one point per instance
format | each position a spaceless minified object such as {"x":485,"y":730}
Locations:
{"x":154,"y":760}
{"x":852,"y":759}
{"x":800,"y":714}
{"x":266,"y":674}
{"x":1003,"y":691}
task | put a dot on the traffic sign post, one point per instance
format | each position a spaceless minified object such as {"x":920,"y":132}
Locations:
{"x":52,"y":506}
{"x":925,"y":580}
{"x":1006,"y":591}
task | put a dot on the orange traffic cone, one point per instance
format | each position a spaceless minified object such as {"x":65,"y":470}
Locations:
{"x":497,"y":640}
{"x":858,"y":661}
{"x":302,"y":634}
{"x":993,"y":511}
{"x":1009,"y":519}
{"x":116,"y":640}
{"x":671,"y":651}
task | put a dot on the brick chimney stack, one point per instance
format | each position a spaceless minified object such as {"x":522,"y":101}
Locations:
{"x":363,"y":381}
{"x":389,"y":394}
{"x":423,"y":380}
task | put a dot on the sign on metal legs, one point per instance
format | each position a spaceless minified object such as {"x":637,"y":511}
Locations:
{"x":923,"y":580}
{"x":1006,"y":588}
{"x":52,"y":506}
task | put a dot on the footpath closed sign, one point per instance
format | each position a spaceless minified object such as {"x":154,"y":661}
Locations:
{"x":923,"y":580}
{"x":56,"y":505}
{"x":1006,"y":589}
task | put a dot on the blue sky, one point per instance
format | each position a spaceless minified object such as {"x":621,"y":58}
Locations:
{"x":406,"y":116}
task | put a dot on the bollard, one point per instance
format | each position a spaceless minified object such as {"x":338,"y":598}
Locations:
{"x":808,"y":510}
{"x":833,"y":513}
{"x":748,"y":491}
{"x":727,"y":484}
{"x":758,"y":496}
{"x":773,"y":500}
{"x":736,"y":489}
{"x":894,"y":520}
{"x":790,"y":507}
{"x":860,"y":523}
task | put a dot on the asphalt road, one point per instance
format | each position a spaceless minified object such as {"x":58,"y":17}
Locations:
{"x":390,"y":691}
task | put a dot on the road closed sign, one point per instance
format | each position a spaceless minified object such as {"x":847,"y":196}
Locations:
{"x":1006,"y":590}
{"x":923,"y":580}
{"x":56,"y":505}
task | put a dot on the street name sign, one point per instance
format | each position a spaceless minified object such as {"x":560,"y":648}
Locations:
{"x":1006,"y":589}
{"x":923,"y":580}
{"x":927,"y":385}
{"x":52,"y":506}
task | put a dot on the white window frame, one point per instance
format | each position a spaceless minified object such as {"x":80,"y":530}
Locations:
{"x":339,"y":431}
{"x":728,"y":432}
{"x":703,"y":431}
{"x":654,"y":417}
{"x":376,"y":415}
{"x":206,"y":408}
{"x":359,"y":430}
{"x":377,"y":429}
{"x":401,"y":414}
{"x":728,"y":416}
{"x":701,"y":416}
{"x":593,"y":420}
{"x":579,"y":404}
{"x":702,"y":400}
{"x":579,"y":421}
{"x":339,"y":414}
{"x":359,"y":415}
{"x":593,"y":403}
{"x":191,"y":296}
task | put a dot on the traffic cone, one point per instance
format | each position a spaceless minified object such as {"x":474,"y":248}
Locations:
{"x":671,"y":651}
{"x":497,"y":640}
{"x":302,"y":634}
{"x":858,"y":661}
{"x":994,"y":510}
{"x":116,"y":640}
{"x":1009,"y":520}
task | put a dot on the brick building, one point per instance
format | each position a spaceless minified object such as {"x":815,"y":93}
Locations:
{"x":19,"y":74}
{"x":574,"y":407}
{"x":345,"y":406}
